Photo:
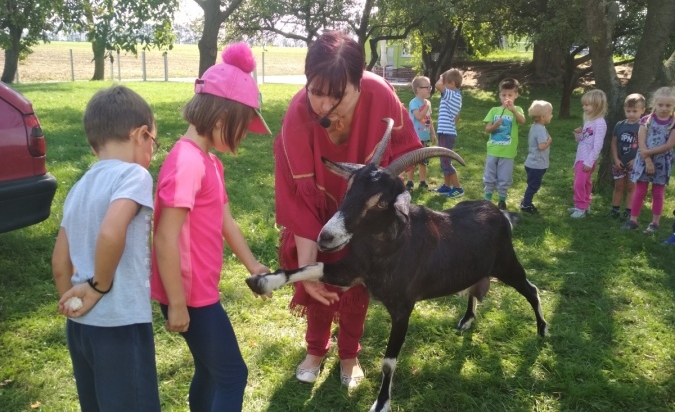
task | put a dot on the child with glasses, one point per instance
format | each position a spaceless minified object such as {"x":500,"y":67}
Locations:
{"x":420,"y":113}
{"x":104,"y":237}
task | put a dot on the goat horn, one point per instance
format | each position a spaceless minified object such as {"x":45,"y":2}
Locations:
{"x":382,"y":146}
{"x":340,"y":168}
{"x":416,"y":156}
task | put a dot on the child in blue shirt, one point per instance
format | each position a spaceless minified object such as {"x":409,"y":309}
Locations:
{"x":420,"y":113}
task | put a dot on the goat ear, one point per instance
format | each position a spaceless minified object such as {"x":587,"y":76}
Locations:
{"x":341,"y":169}
{"x":402,"y":205}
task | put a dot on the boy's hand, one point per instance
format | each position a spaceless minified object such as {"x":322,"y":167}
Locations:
{"x":508,"y":103}
{"x":83,"y":291}
{"x":497,"y":123}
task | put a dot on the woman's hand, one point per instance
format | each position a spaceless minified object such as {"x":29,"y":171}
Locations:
{"x":318,"y":291}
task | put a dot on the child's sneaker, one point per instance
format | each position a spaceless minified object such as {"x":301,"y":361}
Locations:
{"x":629,"y":225}
{"x":578,"y":213}
{"x":409,"y":186}
{"x":615,"y":214}
{"x":651,"y":228}
{"x":443,"y":189}
{"x":501,"y":205}
{"x":455,"y":193}
{"x":670,"y":240}
{"x":423,"y":185}
{"x":528,"y":209}
{"x":626,"y":214}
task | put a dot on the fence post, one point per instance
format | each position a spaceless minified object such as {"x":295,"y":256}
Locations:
{"x":263,"y":67}
{"x":143,"y":64}
{"x":166,"y":66}
{"x":119,"y":71}
{"x":72,"y":67}
{"x":112,"y":71}
{"x":16,"y":75}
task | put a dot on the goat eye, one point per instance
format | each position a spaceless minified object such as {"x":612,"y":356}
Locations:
{"x":382,"y":204}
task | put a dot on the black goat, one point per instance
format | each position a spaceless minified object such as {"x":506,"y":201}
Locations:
{"x":405,"y":253}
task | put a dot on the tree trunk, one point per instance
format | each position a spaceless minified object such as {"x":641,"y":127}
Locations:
{"x":12,"y":56}
{"x":98,"y":48}
{"x":649,"y":72}
{"x":569,"y":82}
{"x":208,"y":44}
{"x":547,"y":64}
{"x":600,"y":20}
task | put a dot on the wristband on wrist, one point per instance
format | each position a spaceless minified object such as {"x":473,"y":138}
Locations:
{"x":93,"y":284}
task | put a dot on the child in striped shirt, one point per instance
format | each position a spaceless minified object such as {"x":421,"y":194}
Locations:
{"x":448,"y":85}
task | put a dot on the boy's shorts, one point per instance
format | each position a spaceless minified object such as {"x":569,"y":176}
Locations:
{"x":447,"y":141}
{"x":620,"y":172}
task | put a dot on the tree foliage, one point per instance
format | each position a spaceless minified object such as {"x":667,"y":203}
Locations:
{"x":24,"y":23}
{"x":122,"y":25}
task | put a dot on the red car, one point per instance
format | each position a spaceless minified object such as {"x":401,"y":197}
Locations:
{"x":26,"y":189}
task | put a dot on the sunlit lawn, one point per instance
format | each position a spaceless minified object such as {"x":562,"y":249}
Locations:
{"x":608,"y":295}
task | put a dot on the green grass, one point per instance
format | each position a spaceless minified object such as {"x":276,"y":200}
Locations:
{"x":608,"y":295}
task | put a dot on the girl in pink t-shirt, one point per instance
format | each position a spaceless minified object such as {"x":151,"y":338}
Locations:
{"x":192,"y":218}
{"x":590,"y":138}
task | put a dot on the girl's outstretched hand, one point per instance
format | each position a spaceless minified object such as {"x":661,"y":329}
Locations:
{"x":260,"y":269}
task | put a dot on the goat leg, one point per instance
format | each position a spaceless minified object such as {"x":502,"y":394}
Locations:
{"x":268,"y":282}
{"x":399,"y":328}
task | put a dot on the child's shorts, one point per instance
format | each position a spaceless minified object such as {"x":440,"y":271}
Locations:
{"x":447,"y":141}
{"x":620,"y":172}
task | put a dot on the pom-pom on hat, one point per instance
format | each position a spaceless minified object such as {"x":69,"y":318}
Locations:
{"x":232,"y":80}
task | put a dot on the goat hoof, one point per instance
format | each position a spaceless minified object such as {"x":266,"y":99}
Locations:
{"x":384,"y":408}
{"x":465,"y":324}
{"x":257,"y":284}
{"x":543,"y":330}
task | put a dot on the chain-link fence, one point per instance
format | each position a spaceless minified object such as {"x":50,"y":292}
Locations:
{"x":62,"y":62}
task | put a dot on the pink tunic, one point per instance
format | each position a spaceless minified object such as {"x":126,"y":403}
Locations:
{"x":193,"y":179}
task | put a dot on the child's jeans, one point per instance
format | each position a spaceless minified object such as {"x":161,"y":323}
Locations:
{"x":220,"y":372}
{"x":498,"y":175}
{"x":639,"y":198}
{"x":534,"y":178}
{"x":583,"y":185}
{"x":114,"y":367}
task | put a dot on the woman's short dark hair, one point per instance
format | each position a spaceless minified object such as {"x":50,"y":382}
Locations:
{"x":333,"y":61}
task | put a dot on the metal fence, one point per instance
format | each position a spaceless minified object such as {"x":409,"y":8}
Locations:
{"x":55,"y":62}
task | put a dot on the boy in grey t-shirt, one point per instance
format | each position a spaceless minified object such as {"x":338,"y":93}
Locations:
{"x":104,"y":237}
{"x":538,"y":144}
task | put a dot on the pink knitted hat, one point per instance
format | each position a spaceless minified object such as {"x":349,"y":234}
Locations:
{"x":232,"y":80}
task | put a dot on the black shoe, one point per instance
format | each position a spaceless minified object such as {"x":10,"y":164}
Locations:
{"x":409,"y":186}
{"x":615,"y":214}
{"x":501,"y":205}
{"x":626,"y":214}
{"x":528,"y":209}
{"x":423,"y":185}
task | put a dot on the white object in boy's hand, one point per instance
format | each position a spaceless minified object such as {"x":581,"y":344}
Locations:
{"x":74,"y":303}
